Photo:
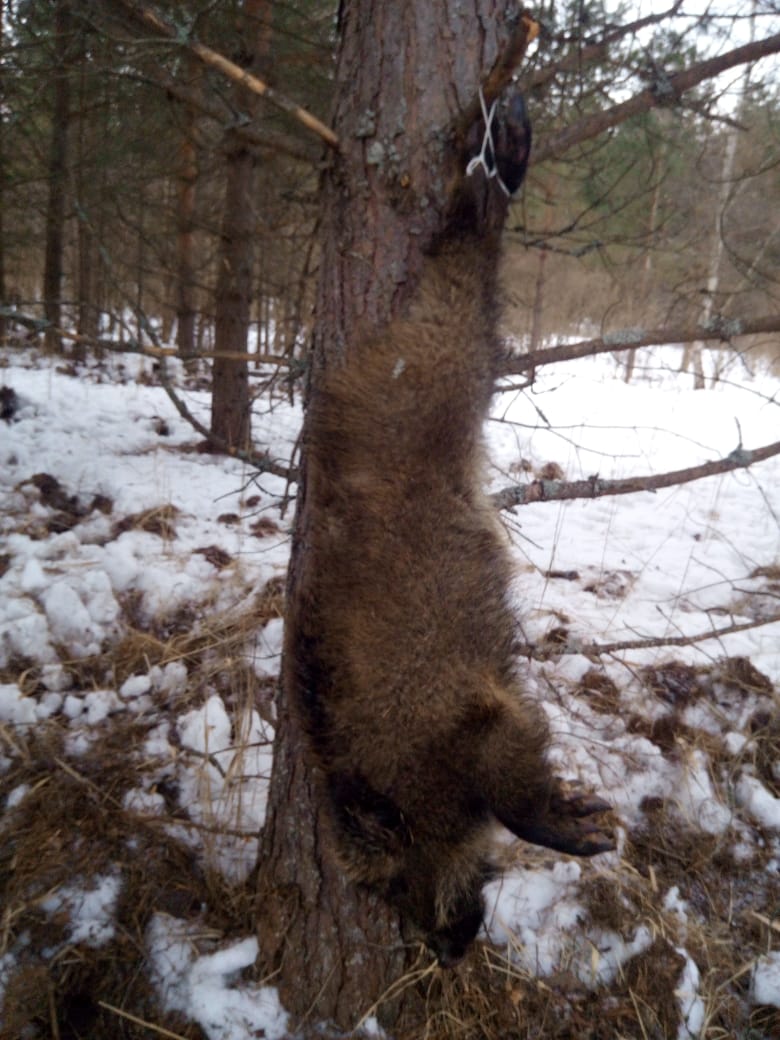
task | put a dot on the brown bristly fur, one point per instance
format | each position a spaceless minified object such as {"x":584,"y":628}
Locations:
{"x":401,"y":636}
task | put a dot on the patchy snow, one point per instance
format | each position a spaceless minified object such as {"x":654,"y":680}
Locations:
{"x":89,"y":907}
{"x":758,"y":802}
{"x":132,"y":539}
{"x":691,"y":1004}
{"x":765,"y":983}
{"x":208,"y":988}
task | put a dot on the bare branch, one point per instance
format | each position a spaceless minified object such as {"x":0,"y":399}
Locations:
{"x":233,"y":72}
{"x":265,"y":140}
{"x":525,"y":32}
{"x":596,"y":487}
{"x":500,"y":75}
{"x":263,"y":463}
{"x":658,"y":95}
{"x":40,"y":325}
{"x":597,"y":649}
{"x":718,"y":328}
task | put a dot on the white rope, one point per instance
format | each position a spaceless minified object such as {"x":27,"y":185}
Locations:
{"x":481,"y":160}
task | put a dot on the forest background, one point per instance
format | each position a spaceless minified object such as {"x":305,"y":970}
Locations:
{"x":146,"y":198}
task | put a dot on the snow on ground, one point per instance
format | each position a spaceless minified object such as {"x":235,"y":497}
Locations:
{"x":140,"y":529}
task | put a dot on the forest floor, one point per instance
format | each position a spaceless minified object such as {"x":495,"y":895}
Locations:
{"x":141,"y":597}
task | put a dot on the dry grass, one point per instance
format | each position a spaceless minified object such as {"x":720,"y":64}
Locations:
{"x":70,"y":826}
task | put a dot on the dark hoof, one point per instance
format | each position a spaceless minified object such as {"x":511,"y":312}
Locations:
{"x":568,"y":825}
{"x":513,"y":143}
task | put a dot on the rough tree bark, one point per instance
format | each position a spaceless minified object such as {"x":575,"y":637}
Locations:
{"x":405,"y":73}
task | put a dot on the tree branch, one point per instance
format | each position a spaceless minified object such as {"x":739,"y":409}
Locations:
{"x":579,"y":56}
{"x":265,"y":140}
{"x":234,"y":72}
{"x":501,"y":73}
{"x":40,"y":325}
{"x":662,"y":93}
{"x":597,"y":649}
{"x":263,"y":463}
{"x":595,"y":487}
{"x":718,"y":328}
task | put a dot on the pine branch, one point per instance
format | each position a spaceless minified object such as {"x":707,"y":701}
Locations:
{"x":262,"y":139}
{"x":262,"y":463}
{"x":502,"y":71}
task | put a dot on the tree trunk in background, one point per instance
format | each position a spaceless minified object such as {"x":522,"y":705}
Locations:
{"x":694,"y":352}
{"x":405,"y":72}
{"x":3,"y":291}
{"x":140,"y":266}
{"x":231,"y":403}
{"x":549,"y":189}
{"x":647,"y":267}
{"x":58,"y":157}
{"x":185,"y":231}
{"x":87,"y":321}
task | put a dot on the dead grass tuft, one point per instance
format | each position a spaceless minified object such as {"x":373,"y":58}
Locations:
{"x":600,"y":692}
{"x":728,"y":899}
{"x":675,"y":683}
{"x":741,"y":674}
{"x":216,"y":556}
{"x":487,"y":997}
{"x":70,"y":828}
{"x":264,"y":527}
{"x":67,"y":826}
{"x":615,"y":584}
{"x":159,"y":520}
{"x":765,"y":746}
{"x":668,"y":731}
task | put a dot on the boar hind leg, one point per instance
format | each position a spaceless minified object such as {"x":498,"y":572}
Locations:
{"x":569,"y":820}
{"x":522,"y":794}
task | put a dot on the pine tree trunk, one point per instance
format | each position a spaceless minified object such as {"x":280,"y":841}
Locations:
{"x":406,"y":71}
{"x":140,"y":266}
{"x":695,"y":351}
{"x":3,"y":290}
{"x":230,"y":415}
{"x":231,"y":404}
{"x":647,"y":264}
{"x":87,"y":318}
{"x":58,"y":150}
{"x":185,"y":232}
